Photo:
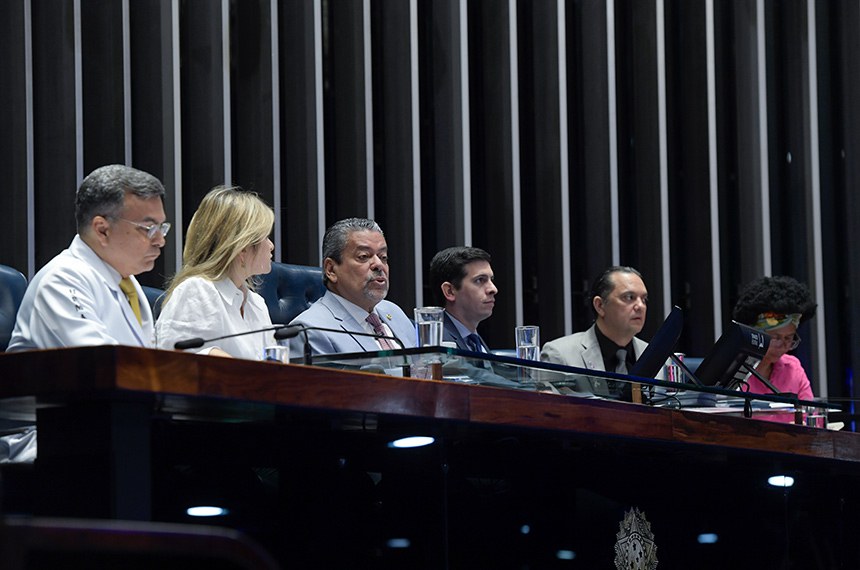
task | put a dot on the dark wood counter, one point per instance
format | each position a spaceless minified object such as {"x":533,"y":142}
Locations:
{"x":514,"y":478}
{"x":59,"y":375}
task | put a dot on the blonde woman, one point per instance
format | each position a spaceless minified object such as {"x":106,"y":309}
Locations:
{"x":227,"y":244}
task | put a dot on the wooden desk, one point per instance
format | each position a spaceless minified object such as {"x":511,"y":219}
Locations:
{"x":113,"y":420}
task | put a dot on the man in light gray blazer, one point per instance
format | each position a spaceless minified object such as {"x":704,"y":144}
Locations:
{"x":355,"y":272}
{"x":619,"y":301}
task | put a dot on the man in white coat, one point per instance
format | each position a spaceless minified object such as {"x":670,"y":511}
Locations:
{"x":87,"y":295}
{"x":619,"y":301}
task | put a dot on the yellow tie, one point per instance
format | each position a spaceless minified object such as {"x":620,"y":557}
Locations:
{"x":131,"y":294}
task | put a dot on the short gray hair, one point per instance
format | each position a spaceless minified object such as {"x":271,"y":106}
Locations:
{"x":337,"y":236}
{"x":102,"y":192}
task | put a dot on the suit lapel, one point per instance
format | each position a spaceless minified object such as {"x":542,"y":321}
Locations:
{"x":591,"y":356}
{"x":348,"y":323}
{"x":452,"y":331}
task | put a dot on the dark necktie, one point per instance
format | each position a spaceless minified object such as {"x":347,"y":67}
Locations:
{"x":475,"y":343}
{"x":621,"y":367}
{"x":376,"y":323}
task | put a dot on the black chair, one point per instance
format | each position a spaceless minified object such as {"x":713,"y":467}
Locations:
{"x":290,"y":289}
{"x":12,"y":287}
{"x":154,"y":296}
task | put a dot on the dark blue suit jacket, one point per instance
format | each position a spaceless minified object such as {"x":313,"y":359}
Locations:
{"x":451,"y":334}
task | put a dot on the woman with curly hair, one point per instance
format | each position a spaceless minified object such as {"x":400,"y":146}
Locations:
{"x":777,"y":306}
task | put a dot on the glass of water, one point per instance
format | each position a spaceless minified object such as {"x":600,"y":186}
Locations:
{"x":277,"y":354}
{"x":428,"y":326}
{"x":528,"y":342}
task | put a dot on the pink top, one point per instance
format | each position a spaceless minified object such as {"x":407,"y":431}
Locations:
{"x":787,"y":376}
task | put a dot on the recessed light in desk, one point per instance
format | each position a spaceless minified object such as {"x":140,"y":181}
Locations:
{"x":780,"y":481}
{"x":413,"y":441}
{"x":206,"y":511}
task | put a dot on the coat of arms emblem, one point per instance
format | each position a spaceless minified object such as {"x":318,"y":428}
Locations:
{"x":635,"y":548}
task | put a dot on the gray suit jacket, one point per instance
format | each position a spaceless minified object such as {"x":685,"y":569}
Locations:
{"x":581,"y":350}
{"x":328,"y":312}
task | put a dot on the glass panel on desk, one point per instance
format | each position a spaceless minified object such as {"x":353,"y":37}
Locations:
{"x":455,"y":365}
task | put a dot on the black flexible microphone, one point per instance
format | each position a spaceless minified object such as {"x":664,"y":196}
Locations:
{"x":198,"y":342}
{"x":291,"y":331}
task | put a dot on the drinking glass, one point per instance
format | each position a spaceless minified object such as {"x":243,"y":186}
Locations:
{"x":277,"y":354}
{"x":428,"y":326}
{"x":528,"y":342}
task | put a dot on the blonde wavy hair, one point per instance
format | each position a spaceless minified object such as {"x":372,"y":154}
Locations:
{"x":227,"y":221}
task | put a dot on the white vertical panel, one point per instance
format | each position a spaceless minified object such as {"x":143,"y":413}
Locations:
{"x":762,"y":137}
{"x":225,"y":86}
{"x":276,"y":126}
{"x":368,"y":108}
{"x":716,"y":276}
{"x":515,"y":159}
{"x":466,"y":131}
{"x":126,"y":82}
{"x":611,"y":101}
{"x":664,"y":161}
{"x":564,"y":169}
{"x":28,"y":120}
{"x":416,"y":153}
{"x":79,"y":95}
{"x":176,"y":101}
{"x":815,"y":198}
{"x":320,"y":133}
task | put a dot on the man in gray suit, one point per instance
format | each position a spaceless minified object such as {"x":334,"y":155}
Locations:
{"x":619,"y":300}
{"x":461,"y":280}
{"x":355,"y":272}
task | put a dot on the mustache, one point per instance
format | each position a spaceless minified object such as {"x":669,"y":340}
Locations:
{"x":376,"y":273}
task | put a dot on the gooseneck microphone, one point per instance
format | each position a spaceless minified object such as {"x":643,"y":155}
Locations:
{"x":291,"y":331}
{"x":197,"y":342}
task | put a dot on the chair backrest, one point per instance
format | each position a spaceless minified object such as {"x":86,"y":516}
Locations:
{"x":155,"y":299}
{"x":290,"y":289}
{"x":12,"y":287}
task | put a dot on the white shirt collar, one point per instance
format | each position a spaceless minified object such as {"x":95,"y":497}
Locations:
{"x":229,"y":292}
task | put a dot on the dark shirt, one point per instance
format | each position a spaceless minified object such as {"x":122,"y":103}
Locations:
{"x":608,"y":349}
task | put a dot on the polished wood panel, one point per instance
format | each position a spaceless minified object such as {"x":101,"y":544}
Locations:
{"x":233,"y":382}
{"x":301,"y":458}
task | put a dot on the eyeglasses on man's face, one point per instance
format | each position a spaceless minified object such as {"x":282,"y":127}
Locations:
{"x":790,"y":341}
{"x":150,"y":230}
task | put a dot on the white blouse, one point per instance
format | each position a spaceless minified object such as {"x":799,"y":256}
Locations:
{"x":206,"y":309}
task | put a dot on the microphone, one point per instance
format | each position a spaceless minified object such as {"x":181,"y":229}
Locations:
{"x":197,"y":342}
{"x":291,"y":331}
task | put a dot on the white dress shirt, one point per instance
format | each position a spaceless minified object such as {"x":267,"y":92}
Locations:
{"x":207,"y":309}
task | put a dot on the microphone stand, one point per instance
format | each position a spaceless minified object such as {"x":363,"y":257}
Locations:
{"x":291,"y":331}
{"x":197,"y":342}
